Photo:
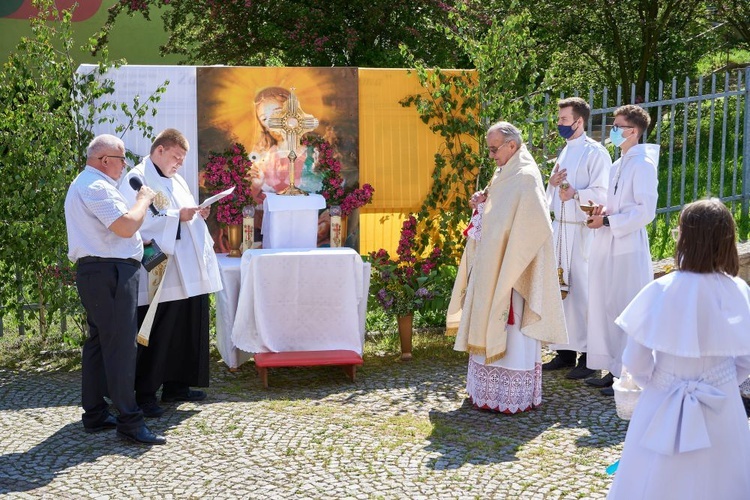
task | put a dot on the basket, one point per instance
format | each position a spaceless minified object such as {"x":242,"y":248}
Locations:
{"x":626,"y":396}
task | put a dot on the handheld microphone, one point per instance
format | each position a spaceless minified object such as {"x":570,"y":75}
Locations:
{"x":136,"y":184}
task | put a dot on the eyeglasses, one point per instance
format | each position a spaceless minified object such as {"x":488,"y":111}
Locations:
{"x":123,"y":158}
{"x":618,"y":127}
{"x":675,"y":233}
{"x":494,"y":149}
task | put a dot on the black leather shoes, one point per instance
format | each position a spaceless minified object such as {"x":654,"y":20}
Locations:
{"x":607,"y":391}
{"x":190,"y":395}
{"x":580,"y":372}
{"x":152,"y":410}
{"x":605,"y":381}
{"x":558,"y":363}
{"x":142,"y":435}
{"x":109,"y":423}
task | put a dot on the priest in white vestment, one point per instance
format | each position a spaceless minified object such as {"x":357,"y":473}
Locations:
{"x":506,"y":298}
{"x":688,"y":347}
{"x":177,"y":355}
{"x":620,"y":264}
{"x":580,"y":177}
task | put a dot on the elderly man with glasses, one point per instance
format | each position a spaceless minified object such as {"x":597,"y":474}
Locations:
{"x":104,"y":241}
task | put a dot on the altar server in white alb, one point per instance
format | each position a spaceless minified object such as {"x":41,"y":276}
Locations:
{"x":581,"y":174}
{"x":688,"y":347}
{"x":620,"y":263}
{"x":177,"y":355}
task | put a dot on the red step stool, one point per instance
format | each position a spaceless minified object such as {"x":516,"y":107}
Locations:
{"x":349,"y":360}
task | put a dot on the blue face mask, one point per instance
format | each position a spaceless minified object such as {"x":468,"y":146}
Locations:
{"x":566,"y":131}
{"x":616,"y":137}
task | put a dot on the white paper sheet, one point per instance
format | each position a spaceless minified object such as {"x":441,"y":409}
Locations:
{"x":216,"y":197}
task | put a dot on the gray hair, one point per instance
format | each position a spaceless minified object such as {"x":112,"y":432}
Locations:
{"x":102,"y":144}
{"x":508,"y":130}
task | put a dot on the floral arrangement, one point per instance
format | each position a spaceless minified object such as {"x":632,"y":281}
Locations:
{"x":223,"y":171}
{"x":406,"y":284}
{"x":333,"y":189}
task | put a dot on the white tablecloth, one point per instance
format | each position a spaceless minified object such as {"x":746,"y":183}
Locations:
{"x":291,"y":221}
{"x":291,"y":300}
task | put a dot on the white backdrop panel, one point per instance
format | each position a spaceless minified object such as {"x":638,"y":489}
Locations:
{"x":176,"y":109}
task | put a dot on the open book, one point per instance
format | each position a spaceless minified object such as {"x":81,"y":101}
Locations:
{"x":209,"y":201}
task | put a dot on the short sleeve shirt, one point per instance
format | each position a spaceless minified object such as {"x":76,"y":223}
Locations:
{"x":92,"y":204}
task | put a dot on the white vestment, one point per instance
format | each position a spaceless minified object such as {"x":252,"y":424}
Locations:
{"x":688,"y":347}
{"x":587,"y":163}
{"x":193,"y":269}
{"x":620,"y":261}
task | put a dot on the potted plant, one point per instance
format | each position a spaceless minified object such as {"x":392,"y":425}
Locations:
{"x":406,"y":284}
{"x":224,"y":170}
{"x":333,"y":186}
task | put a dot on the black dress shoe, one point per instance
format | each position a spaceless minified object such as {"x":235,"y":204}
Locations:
{"x":605,"y":381}
{"x":607,"y":391}
{"x":152,"y":410}
{"x":580,"y":372}
{"x":107,"y":424}
{"x":190,"y":395}
{"x":142,"y":435}
{"x":558,"y":363}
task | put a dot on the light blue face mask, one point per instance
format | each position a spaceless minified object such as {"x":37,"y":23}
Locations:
{"x":616,"y":137}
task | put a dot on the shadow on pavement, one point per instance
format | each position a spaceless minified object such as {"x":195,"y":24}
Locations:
{"x":67,"y":448}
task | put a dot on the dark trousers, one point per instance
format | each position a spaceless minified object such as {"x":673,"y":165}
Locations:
{"x":109,"y":294}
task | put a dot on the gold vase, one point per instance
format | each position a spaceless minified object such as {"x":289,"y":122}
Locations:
{"x":405,"y":327}
{"x":234,"y":232}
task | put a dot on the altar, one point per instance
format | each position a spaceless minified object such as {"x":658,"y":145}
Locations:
{"x":277,"y":300}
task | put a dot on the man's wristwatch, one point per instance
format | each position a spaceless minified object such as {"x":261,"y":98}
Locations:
{"x":605,"y":221}
{"x":576,"y":197}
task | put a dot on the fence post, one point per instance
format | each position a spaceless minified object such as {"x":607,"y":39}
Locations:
{"x":746,"y":157}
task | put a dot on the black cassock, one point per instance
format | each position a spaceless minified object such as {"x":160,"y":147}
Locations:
{"x":177,"y":354}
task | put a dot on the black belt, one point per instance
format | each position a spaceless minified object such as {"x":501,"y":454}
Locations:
{"x":108,"y":260}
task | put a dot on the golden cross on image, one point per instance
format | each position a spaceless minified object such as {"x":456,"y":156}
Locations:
{"x":293,"y":123}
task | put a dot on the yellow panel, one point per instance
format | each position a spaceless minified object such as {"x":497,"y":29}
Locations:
{"x":379,"y":230}
{"x":396,"y":149}
{"x":396,"y":154}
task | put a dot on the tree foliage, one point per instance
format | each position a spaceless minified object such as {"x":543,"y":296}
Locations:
{"x":297,"y":33}
{"x":49,"y":111}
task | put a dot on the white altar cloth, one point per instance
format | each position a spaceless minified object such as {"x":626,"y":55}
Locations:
{"x":291,"y":221}
{"x":312,"y":299}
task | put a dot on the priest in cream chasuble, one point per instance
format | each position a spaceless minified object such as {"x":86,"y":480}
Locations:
{"x":506,"y":298}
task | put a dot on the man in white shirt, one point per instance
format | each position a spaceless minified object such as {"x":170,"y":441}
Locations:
{"x":581,"y":175}
{"x":103,"y":240}
{"x":177,"y":354}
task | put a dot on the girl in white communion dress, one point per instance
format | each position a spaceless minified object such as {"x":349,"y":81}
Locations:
{"x":689,"y":348}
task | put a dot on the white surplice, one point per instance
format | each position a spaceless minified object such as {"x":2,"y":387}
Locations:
{"x":620,"y":261}
{"x":193,"y":269}
{"x":587,"y":163}
{"x":688,"y":347}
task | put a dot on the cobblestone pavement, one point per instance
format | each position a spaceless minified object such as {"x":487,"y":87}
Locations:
{"x":403,"y":430}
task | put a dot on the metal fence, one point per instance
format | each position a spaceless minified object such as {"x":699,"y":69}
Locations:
{"x":703,"y":127}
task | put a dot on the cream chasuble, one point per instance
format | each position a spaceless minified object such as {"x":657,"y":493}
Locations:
{"x":515,"y":253}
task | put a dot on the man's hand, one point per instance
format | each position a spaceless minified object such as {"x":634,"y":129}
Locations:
{"x":187,"y":213}
{"x":567,"y":192}
{"x":205,"y":212}
{"x":558,"y":176}
{"x":477,"y":198}
{"x":145,"y":193}
{"x":596,"y":219}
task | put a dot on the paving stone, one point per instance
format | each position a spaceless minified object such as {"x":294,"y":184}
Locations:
{"x":401,"y":431}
